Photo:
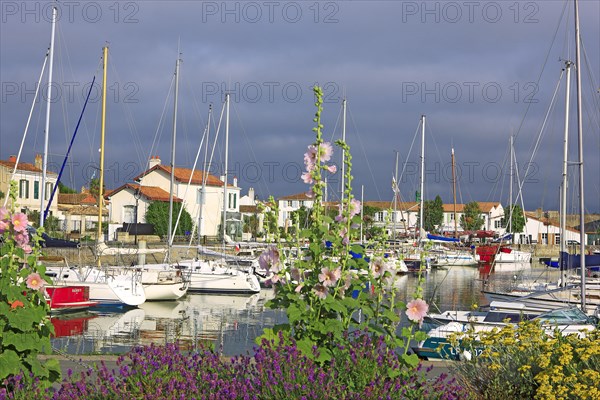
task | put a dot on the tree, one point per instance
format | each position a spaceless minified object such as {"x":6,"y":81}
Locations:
{"x":251,"y":224}
{"x":62,"y":188}
{"x":433,"y":214}
{"x":303,"y":214}
{"x":95,"y":187}
{"x":471,"y":219}
{"x":157,"y":214}
{"x":516,"y":217}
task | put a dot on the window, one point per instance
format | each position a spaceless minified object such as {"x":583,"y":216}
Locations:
{"x":48,"y":191}
{"x":544,"y":238}
{"x":289,"y":203}
{"x":557,"y":238}
{"x":129,"y":214}
{"x":379,"y":216}
{"x":232,"y":200}
{"x":24,"y":189}
{"x":498,"y":224}
{"x":301,"y":203}
{"x":36,"y":190}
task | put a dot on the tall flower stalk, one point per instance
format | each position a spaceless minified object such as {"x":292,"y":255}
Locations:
{"x":25,"y":326}
{"x":334,"y":288}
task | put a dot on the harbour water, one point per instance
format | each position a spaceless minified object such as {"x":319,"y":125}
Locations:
{"x":231,"y":323}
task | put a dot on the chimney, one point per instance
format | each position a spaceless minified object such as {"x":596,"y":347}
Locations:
{"x":38,"y":161}
{"x":12,"y":159}
{"x":154,"y":160}
{"x":222,"y":178}
{"x":235,"y":181}
{"x":251,"y":194}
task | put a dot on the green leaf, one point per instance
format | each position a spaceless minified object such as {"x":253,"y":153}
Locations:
{"x":411,"y":360}
{"x":10,"y":363}
{"x":305,"y":346}
{"x":420,"y":336}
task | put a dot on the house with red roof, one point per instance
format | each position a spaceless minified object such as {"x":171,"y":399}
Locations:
{"x":29,"y":180}
{"x":201,"y":194}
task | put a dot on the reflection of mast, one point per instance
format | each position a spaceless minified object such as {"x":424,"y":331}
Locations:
{"x":204,"y":178}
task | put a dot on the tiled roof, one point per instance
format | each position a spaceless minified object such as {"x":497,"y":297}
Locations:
{"x":297,"y":196}
{"x":484,"y":207}
{"x":152,"y":193}
{"x":183,"y":175}
{"x":76,"y":198}
{"x":24,"y":167}
{"x":384,"y":205}
{"x":550,"y":221}
{"x":249,"y":209}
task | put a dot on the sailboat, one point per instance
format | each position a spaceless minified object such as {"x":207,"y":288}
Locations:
{"x":554,"y":295}
{"x":216,"y":276}
{"x":107,"y":287}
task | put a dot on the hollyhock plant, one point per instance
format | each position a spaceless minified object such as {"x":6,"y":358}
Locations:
{"x":24,"y":312}
{"x":416,"y":310}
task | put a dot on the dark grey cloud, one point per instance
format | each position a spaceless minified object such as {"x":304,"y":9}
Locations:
{"x":471,"y":67}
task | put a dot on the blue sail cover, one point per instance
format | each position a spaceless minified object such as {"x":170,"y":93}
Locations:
{"x":573,"y":261}
{"x":442,"y":238}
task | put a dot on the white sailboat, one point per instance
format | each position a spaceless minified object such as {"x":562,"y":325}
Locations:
{"x":107,"y":287}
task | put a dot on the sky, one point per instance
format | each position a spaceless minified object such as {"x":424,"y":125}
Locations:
{"x":479,"y":71}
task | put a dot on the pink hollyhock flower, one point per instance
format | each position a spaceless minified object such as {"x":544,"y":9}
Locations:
{"x":295,"y":274}
{"x":328,"y":277}
{"x":307,"y":178}
{"x":4,"y":214}
{"x":3,"y":226}
{"x":35,"y":282}
{"x":325,"y":151}
{"x":354,"y":207}
{"x":320,"y":290}
{"x":269,"y":259}
{"x":21,"y":239}
{"x":344,"y":236}
{"x":27,"y":248}
{"x":299,"y":288}
{"x":378,"y":267}
{"x":331,"y":168}
{"x":310,"y":194}
{"x":19,"y":222}
{"x":310,"y":158}
{"x":416,"y":310}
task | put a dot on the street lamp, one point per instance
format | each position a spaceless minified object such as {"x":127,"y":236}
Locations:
{"x":136,"y":195}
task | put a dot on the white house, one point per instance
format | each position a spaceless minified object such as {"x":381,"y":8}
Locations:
{"x":545,"y":231}
{"x":202,"y":198}
{"x":492,"y":213}
{"x":288,"y":204}
{"x":29,"y":180}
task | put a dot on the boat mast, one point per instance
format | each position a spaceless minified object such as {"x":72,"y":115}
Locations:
{"x":454,"y":192}
{"x":226,"y":166}
{"x":173,"y":140}
{"x":47,"y":126}
{"x":102,"y":134}
{"x":343,"y":153}
{"x":421,"y":203}
{"x":395,"y":189}
{"x":204,"y":177}
{"x":563,"y":187}
{"x":580,"y":139}
{"x":362,"y":209}
{"x":510,"y":186}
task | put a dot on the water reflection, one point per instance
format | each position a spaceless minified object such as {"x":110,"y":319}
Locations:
{"x":231,"y":323}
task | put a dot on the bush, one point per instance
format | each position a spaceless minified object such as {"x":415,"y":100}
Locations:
{"x":277,"y":371}
{"x":523,"y":361}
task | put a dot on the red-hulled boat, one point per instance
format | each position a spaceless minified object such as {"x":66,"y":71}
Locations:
{"x":71,"y":324}
{"x":68,"y":298}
